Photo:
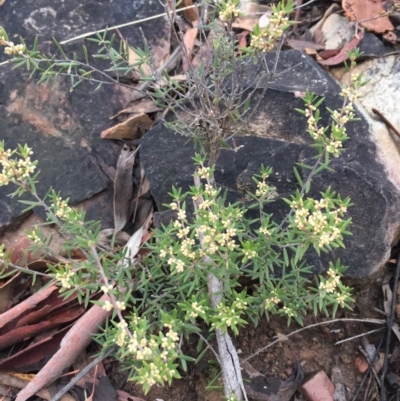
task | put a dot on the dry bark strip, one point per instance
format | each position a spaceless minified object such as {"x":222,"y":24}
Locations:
{"x":55,"y":319}
{"x":35,"y":352}
{"x":26,"y":305}
{"x":72,"y":345}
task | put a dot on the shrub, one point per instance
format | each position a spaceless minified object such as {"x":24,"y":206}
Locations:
{"x":192,"y":273}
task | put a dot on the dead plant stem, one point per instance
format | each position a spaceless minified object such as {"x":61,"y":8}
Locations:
{"x":229,"y":359}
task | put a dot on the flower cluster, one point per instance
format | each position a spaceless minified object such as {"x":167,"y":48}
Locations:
{"x":2,"y":252}
{"x":333,"y":144}
{"x":61,"y":208}
{"x":12,"y":49}
{"x":106,"y":288}
{"x":228,"y":10}
{"x":288,"y":311}
{"x":263,"y":190}
{"x":229,"y":316}
{"x":122,"y":332}
{"x":352,"y":92}
{"x":108,"y":306}
{"x":34,"y":236}
{"x":322,"y":219}
{"x":332,"y":285}
{"x":271,"y":301}
{"x":65,"y":278}
{"x":139,"y":344}
{"x":265,"y":38}
{"x":213,"y":233}
{"x":15,"y":170}
{"x":155,"y":352}
{"x":197,"y":310}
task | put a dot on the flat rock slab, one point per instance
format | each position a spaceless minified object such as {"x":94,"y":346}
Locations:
{"x":61,"y":126}
{"x":382,"y":93}
{"x":277,"y":137}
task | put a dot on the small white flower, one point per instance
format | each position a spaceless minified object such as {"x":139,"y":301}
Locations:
{"x":121,"y":305}
{"x":107,"y":306}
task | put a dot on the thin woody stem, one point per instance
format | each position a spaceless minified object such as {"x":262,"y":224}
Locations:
{"x":228,"y":357}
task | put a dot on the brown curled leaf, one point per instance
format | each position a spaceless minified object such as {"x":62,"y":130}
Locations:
{"x":342,"y":55}
{"x":133,"y":128}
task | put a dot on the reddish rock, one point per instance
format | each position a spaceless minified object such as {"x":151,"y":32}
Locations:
{"x":318,"y":388}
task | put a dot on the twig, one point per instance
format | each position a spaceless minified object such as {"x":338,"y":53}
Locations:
{"x":144,"y":85}
{"x":367,"y":390}
{"x":386,"y":121}
{"x":389,"y":329}
{"x":82,"y":373}
{"x":210,"y":346}
{"x":358,"y":336}
{"x":366,"y":356}
{"x":355,"y":396}
{"x":23,"y":269}
{"x":375,"y":321}
{"x":83,"y":36}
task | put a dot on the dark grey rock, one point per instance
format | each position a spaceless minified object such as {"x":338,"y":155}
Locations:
{"x":371,"y":46}
{"x":277,"y":137}
{"x":63,"y":127}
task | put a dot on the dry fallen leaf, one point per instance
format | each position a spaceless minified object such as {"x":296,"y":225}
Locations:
{"x":19,"y":381}
{"x":390,"y":37}
{"x":261,"y":388}
{"x":133,"y":128}
{"x":41,"y":321}
{"x":206,"y":50}
{"x":303,"y":44}
{"x":189,"y":40}
{"x":123,"y":186}
{"x":145,"y":105}
{"x":159,"y":48}
{"x":132,"y":248}
{"x":26,"y":305}
{"x":342,"y":55}
{"x":368,"y":13}
{"x":191,"y":13}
